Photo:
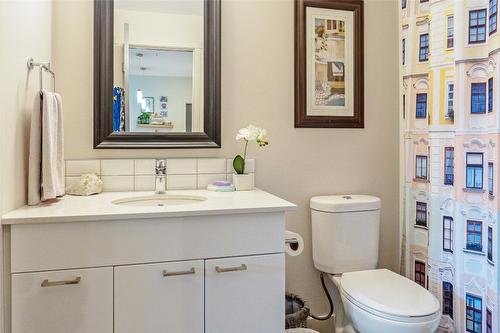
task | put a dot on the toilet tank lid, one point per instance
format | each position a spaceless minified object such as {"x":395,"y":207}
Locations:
{"x":345,"y":203}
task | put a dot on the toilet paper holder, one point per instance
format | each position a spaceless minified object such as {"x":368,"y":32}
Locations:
{"x":294,"y":243}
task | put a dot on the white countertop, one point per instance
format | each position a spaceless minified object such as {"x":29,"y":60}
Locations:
{"x":100,"y":207}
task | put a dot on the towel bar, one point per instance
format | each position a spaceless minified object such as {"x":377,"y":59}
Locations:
{"x":44,"y":66}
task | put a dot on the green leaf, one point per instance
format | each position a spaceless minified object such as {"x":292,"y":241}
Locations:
{"x":239,"y":164}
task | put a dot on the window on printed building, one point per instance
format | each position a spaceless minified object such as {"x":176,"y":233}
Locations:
{"x":423,"y":54}
{"x":449,"y":153}
{"x":490,"y":178}
{"x":404,"y":106}
{"x":420,"y":273}
{"x":478,"y":98}
{"x":421,"y":214}
{"x":490,"y":244}
{"x":477,"y":26}
{"x":493,"y":9}
{"x":489,"y":321}
{"x":474,"y":236}
{"x":403,"y":47}
{"x":421,"y":107}
{"x":474,"y":170}
{"x":448,"y":299}
{"x":450,"y":32}
{"x":490,"y":95}
{"x":421,"y":167}
{"x":447,"y":234}
{"x":474,"y":314}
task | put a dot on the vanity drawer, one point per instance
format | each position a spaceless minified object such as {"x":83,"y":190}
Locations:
{"x":76,"y":301}
{"x":112,"y":243}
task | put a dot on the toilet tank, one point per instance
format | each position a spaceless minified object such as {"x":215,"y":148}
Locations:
{"x":345,"y":232}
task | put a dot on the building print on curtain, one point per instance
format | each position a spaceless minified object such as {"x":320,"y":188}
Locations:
{"x":451,"y":121}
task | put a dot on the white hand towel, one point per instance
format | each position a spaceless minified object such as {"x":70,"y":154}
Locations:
{"x":46,"y":160}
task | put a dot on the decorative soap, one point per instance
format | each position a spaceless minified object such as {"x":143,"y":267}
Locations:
{"x":87,"y":184}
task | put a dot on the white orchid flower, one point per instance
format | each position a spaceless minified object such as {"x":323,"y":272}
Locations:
{"x":249,"y":133}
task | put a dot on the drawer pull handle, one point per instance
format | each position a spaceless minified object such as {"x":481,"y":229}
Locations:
{"x":47,"y":283}
{"x":242,"y":267}
{"x":188,"y":272}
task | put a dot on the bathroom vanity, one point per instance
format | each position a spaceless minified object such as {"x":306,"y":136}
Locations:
{"x":111,"y":263}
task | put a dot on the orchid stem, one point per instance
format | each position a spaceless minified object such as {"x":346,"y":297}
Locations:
{"x":245,"y":152}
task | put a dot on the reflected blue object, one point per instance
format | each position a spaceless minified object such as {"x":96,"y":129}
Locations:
{"x":117,"y":105}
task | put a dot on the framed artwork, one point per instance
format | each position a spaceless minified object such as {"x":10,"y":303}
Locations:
{"x":329,"y":63}
{"x":164,"y":106}
{"x":149,"y":105}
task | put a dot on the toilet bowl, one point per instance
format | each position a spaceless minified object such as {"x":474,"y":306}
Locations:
{"x":376,"y":301}
{"x":345,"y":233}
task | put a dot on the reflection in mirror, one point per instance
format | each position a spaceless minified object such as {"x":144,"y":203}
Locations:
{"x":158,"y":66}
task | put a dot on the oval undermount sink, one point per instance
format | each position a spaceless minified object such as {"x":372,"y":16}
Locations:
{"x":160,"y":200}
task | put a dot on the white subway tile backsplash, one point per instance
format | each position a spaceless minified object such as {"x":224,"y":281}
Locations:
{"x":181,"y":166}
{"x":249,"y":165}
{"x":144,"y":183}
{"x":80,"y":167}
{"x":70,"y":181}
{"x":205,"y":179}
{"x":181,"y":182}
{"x":212,"y":165}
{"x":144,"y":167}
{"x":118,"y":183}
{"x":121,"y":167}
{"x":139,"y":174}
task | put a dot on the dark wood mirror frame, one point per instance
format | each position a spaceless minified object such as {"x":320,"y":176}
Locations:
{"x":104,"y":137}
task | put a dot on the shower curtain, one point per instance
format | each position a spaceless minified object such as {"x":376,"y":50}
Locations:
{"x":450,"y":150}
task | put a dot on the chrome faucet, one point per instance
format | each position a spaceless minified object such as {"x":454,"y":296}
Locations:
{"x":161,"y":177}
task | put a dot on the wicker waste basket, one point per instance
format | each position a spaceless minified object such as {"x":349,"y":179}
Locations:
{"x":296,"y":310}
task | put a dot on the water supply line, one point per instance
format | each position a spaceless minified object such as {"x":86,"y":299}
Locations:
{"x":330,"y":314}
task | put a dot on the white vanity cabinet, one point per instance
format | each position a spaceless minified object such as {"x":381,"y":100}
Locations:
{"x":189,"y":274}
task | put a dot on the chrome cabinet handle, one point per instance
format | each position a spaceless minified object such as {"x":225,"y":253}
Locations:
{"x":190,"y":271}
{"x":242,"y":267}
{"x":47,"y":283}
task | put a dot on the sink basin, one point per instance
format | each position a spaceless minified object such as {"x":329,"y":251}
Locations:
{"x":160,"y":200}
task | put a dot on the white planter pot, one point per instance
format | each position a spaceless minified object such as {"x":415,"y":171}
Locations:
{"x":244,"y":182}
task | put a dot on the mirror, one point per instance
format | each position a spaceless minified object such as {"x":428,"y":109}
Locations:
{"x":157,"y":73}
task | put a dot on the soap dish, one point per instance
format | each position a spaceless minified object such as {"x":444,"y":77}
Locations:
{"x":221,"y":186}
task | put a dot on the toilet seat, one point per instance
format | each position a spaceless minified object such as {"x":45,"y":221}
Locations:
{"x":389,"y":296}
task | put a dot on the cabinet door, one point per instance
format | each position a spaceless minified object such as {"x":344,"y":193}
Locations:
{"x":245,"y":294}
{"x":165,"y":297}
{"x":76,"y":301}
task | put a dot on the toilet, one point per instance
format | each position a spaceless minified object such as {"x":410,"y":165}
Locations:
{"x":345,"y":238}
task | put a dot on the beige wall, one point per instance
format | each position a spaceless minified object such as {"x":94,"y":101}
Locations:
{"x":257,"y":87}
{"x":25,"y":30}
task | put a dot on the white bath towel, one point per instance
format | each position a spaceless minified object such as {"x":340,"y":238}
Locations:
{"x":46,"y":157}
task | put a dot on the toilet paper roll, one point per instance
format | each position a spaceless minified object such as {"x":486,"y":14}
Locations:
{"x":294,"y":244}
